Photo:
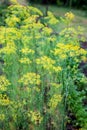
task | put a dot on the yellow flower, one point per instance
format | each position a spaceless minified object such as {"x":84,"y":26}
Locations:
{"x":84,"y":58}
{"x":2,"y":117}
{"x":47,"y":31}
{"x":3,"y":83}
{"x":69,"y":15}
{"x":46,"y":62}
{"x":25,"y":61}
{"x":30,"y":78}
{"x":82,"y":51}
{"x":64,"y":51}
{"x":69,"y":33}
{"x":27,"y":51}
{"x":57,"y":69}
{"x":51,"y":19}
{"x":30,"y":20}
{"x":9,"y":49}
{"x":4,"y":100}
{"x":55,"y":85}
{"x":12,"y":21}
{"x":54,"y":101}
{"x":37,"y":26}
{"x":35,"y":117}
{"x":35,"y":11}
{"x":36,"y":89}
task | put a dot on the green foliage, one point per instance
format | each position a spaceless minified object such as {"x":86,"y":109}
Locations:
{"x":40,"y":71}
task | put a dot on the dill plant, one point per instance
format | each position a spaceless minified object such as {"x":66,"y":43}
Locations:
{"x":40,"y":72}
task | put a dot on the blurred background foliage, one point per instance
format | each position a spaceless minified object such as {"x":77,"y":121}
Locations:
{"x":67,"y":3}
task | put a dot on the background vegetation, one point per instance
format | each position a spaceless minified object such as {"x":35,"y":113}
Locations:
{"x":69,"y":3}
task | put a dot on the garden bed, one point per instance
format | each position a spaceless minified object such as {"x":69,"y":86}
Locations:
{"x":42,"y":86}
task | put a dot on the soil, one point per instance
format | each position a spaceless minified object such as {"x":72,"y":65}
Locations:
{"x":83,"y":65}
{"x":84,"y":45}
{"x":70,"y":125}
